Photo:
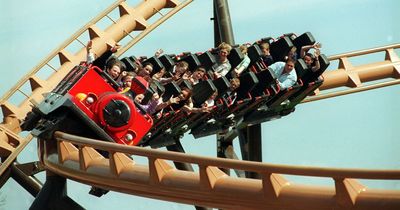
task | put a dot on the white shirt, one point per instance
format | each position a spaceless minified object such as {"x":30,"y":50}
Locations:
{"x":285,"y":80}
{"x":222,"y":68}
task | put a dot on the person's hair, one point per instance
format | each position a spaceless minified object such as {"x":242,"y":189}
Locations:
{"x":148,"y":64}
{"x":120,"y":64}
{"x":309,"y":55}
{"x":243,"y":48}
{"x":114,"y":61}
{"x":201,"y":69}
{"x":163,"y":70}
{"x":264,"y":45}
{"x":236,"y":81}
{"x":224,"y":46}
{"x":291,"y":60}
{"x":215,"y":92}
{"x":189,"y":91}
{"x":182,"y":64}
{"x":110,"y":62}
{"x":128,"y":74}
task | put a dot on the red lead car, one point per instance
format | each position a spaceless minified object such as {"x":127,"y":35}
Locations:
{"x":88,"y":96}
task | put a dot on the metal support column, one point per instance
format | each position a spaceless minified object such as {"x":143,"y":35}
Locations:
{"x":222,"y":146}
{"x":223,"y":31}
{"x":177,"y":147}
{"x":251,"y":146}
{"x":217,"y":35}
{"x":53,"y":195}
{"x":26,"y":178}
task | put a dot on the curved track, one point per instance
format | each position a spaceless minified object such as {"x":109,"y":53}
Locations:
{"x":159,"y":179}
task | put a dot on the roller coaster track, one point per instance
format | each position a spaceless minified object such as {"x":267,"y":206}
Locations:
{"x":131,"y":19}
{"x":362,"y":77}
{"x":76,"y":157}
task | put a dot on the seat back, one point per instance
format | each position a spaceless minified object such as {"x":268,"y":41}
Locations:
{"x":254,"y":52}
{"x":167,"y":62}
{"x":130,"y":63}
{"x":247,"y":82}
{"x":207,"y":60}
{"x":235,"y":57}
{"x":171,"y":90}
{"x":192,"y":60}
{"x":157,"y":65}
{"x":222,"y":84}
{"x":305,"y":39}
{"x":313,"y":76}
{"x":280,"y":48}
{"x":155,"y":86}
{"x":265,"y":78}
{"x":202,"y":91}
{"x":301,"y":68}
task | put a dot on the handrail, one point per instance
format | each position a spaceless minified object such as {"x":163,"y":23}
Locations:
{"x":361,"y":77}
{"x":78,"y":158}
{"x":349,"y":91}
{"x":151,"y":28}
{"x":363,"y":52}
{"x":232,"y":164}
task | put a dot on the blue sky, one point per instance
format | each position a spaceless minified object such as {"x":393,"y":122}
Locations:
{"x":357,"y":131}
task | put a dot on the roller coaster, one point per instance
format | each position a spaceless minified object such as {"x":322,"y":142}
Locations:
{"x":64,"y":155}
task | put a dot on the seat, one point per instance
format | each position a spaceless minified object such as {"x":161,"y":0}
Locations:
{"x":186,"y":84}
{"x":171,"y":90}
{"x":280,"y":48}
{"x":247,"y":82}
{"x":282,"y":95}
{"x":157,"y":65}
{"x":266,"y":78}
{"x":305,"y":91}
{"x":207,"y":60}
{"x":313,"y":76}
{"x":311,"y":80}
{"x":265,"y":40}
{"x":222,"y":84}
{"x":301,"y":68}
{"x":130,"y":63}
{"x":155,"y":87}
{"x":235,"y":57}
{"x":305,"y":39}
{"x":192,"y":60}
{"x":167,"y":62}
{"x":254,"y":52}
{"x":202,"y":91}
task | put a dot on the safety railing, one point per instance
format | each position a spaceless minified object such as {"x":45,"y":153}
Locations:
{"x":78,"y":158}
{"x":356,"y":78}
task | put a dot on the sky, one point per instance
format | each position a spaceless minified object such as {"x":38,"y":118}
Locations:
{"x":353,"y":131}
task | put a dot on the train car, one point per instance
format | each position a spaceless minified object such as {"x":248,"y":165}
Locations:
{"x":88,"y":102}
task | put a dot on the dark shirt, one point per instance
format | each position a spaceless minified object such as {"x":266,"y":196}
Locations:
{"x":267,"y":59}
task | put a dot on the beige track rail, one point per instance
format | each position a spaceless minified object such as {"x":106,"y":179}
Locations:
{"x":352,"y":78}
{"x":76,"y":158}
{"x":131,"y":19}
